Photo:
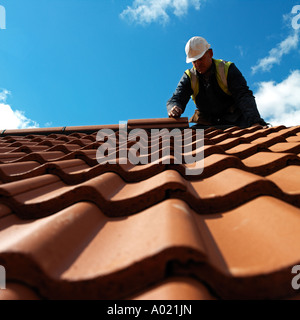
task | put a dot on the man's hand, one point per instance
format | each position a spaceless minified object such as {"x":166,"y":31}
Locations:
{"x":175,"y":112}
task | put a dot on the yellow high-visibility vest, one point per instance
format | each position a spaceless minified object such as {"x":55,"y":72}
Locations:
{"x":222,"y":73}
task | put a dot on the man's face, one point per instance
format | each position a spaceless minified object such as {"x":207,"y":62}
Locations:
{"x":204,"y":63}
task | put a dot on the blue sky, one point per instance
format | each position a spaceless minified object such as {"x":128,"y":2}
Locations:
{"x":90,"y":62}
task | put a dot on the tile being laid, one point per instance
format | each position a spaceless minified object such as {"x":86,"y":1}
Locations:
{"x":158,"y":123}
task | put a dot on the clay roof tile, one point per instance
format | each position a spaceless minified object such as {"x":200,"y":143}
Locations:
{"x":73,"y":227}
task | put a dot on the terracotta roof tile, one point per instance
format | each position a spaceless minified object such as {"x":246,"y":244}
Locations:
{"x":245,"y":150}
{"x":287,"y":179}
{"x":291,"y":147}
{"x":16,"y":169}
{"x":268,"y":141}
{"x":4,"y":210}
{"x":158,"y":123}
{"x":79,"y":251}
{"x":176,"y":289}
{"x":73,"y":228}
{"x":264,"y":163}
{"x":294,"y":138}
{"x":245,"y":246}
{"x":17,"y":291}
{"x":230,"y":142}
{"x":10,"y":157}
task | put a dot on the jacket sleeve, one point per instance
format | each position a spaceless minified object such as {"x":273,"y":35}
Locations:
{"x":182,"y":94}
{"x":243,"y":96}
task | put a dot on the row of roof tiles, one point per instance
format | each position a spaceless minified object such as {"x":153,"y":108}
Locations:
{"x":72,"y":228}
{"x":81,"y":253}
{"x":131,"y":124}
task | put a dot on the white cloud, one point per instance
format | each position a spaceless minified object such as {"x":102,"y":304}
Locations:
{"x":3,"y":95}
{"x":279,"y":103}
{"x":148,"y":11}
{"x":276,"y":54}
{"x":10,"y":119}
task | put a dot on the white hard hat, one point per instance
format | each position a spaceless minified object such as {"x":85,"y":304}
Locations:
{"x":196,"y":48}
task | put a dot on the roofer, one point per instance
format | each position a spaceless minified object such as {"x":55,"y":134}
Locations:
{"x":219,"y":90}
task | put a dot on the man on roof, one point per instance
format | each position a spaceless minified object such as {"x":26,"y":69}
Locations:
{"x":219,"y":90}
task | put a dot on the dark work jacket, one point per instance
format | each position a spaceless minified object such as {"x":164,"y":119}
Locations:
{"x":215,"y":106}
